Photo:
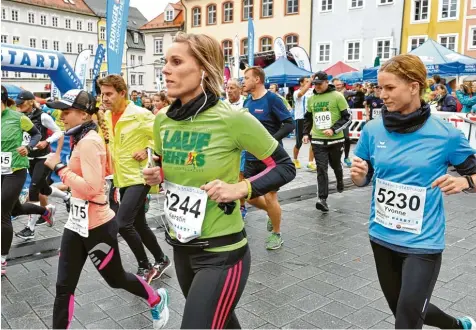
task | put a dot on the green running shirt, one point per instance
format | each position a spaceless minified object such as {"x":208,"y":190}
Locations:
{"x":209,"y":148}
{"x":14,"y":123}
{"x":334,"y":102}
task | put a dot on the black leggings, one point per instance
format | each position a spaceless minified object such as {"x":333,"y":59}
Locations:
{"x":325,"y":155}
{"x":298,"y":133}
{"x":12,"y":185}
{"x":407,"y":281}
{"x":133,"y":225}
{"x":39,"y":174}
{"x":103,"y":249}
{"x":212,"y":283}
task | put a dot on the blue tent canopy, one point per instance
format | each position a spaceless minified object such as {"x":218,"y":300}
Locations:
{"x":283,"y":72}
{"x":12,"y":90}
{"x":351,"y":77}
{"x":438,"y":60}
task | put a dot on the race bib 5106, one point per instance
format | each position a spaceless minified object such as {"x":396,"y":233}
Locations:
{"x":323,"y":120}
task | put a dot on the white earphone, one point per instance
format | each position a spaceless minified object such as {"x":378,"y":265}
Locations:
{"x":203,"y":77}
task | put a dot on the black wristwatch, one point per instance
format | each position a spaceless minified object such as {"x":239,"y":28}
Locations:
{"x":58,"y":167}
{"x":470,"y":183}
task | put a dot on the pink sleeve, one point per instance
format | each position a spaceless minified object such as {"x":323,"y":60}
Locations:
{"x":90,"y":184}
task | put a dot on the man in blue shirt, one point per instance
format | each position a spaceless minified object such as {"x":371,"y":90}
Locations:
{"x":270,"y":110}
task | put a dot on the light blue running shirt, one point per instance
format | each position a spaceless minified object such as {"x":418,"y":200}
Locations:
{"x":405,"y":210}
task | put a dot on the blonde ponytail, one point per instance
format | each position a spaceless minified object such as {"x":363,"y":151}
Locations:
{"x":102,"y":124}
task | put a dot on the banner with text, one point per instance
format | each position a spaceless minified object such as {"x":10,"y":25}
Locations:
{"x":97,"y":66}
{"x":301,"y":58}
{"x":116,"y":18}
{"x":251,"y":42}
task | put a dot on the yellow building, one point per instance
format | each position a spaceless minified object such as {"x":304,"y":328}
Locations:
{"x":440,"y":20}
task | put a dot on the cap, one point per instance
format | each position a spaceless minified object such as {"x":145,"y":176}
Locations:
{"x":320,"y":76}
{"x":76,"y":99}
{"x":24,"y":96}
{"x":5,"y":100}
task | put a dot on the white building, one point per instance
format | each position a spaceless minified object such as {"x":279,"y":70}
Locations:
{"x":64,"y":26}
{"x":355,"y":32}
{"x":159,"y":34}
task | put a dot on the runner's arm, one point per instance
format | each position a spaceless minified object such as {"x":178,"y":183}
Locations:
{"x":90,"y":184}
{"x":461,"y":155}
{"x":287,"y":127}
{"x":307,"y":123}
{"x":48,"y":122}
{"x":27,"y":126}
{"x":345,"y":117}
{"x":363,"y":151}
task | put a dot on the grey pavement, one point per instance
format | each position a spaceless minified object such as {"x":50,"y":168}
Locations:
{"x":323,"y":277}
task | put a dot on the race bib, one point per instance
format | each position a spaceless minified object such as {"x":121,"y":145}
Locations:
{"x":184,"y":209}
{"x":323,"y":120}
{"x":78,"y":220}
{"x":26,"y":139}
{"x":399,"y":206}
{"x":376,"y":112}
{"x":6,"y":163}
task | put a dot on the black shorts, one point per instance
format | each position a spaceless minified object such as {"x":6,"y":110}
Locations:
{"x":298,"y":132}
{"x":253,"y":168}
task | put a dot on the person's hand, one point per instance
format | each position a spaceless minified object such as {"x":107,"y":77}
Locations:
{"x":305,"y":139}
{"x":42,"y":145}
{"x":153,"y":176}
{"x":223,"y":192}
{"x":23,"y":151}
{"x":358,"y":171}
{"x":52,"y":160}
{"x":450,"y":185}
{"x":328,"y":132}
{"x":140,"y":155}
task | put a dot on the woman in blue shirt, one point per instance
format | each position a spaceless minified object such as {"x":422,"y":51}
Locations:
{"x":406,"y":153}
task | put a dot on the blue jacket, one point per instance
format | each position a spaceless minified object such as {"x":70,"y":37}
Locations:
{"x":447,"y":103}
{"x":466,"y":100}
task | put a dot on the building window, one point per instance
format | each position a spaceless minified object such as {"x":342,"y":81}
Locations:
{"x":266,"y":8}
{"x":385,"y":2}
{"x":326,"y":6}
{"x":353,"y":51}
{"x":90,"y":26}
{"x":91,"y":73}
{"x":54,"y":21}
{"x":291,"y":41}
{"x":133,"y":79}
{"x":16,"y":40}
{"x":159,"y":46}
{"x":69,"y":47}
{"x":473,"y":4}
{"x":46,"y":76}
{"x":384,"y":49}
{"x":292,"y":7}
{"x":244,"y":46}
{"x":4,"y":15}
{"x":43,"y":19}
{"x":449,"y":41}
{"x":34,"y":75}
{"x":416,"y":42}
{"x":79,"y":25}
{"x":266,"y":44}
{"x":32,"y":43}
{"x":211,"y":14}
{"x":247,"y":9}
{"x":228,"y":12}
{"x":91,"y":48}
{"x":80,"y":48}
{"x":420,"y":10}
{"x":31,"y":18}
{"x":324,"y":53}
{"x":133,"y":60}
{"x":140,"y":58}
{"x":102,"y":33}
{"x":4,"y":74}
{"x":197,"y":16}
{"x":169,"y":15}
{"x":4,"y":39}
{"x":472,"y":38}
{"x":56,"y":45}
{"x":354,"y":4}
{"x":17,"y":74}
{"x":67,"y":23}
{"x":141,"y":80}
{"x":103,"y":74}
{"x":448,"y":9}
{"x":227,"y":46}
{"x":44,"y":44}
{"x":15,"y":15}
{"x":136,"y":37}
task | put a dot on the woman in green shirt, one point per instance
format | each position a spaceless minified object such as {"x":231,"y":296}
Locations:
{"x":200,"y":138}
{"x":14,"y":164}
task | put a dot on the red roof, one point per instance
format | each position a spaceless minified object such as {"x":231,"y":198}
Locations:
{"x":338,"y":68}
{"x":79,"y":5}
{"x":159,"y":21}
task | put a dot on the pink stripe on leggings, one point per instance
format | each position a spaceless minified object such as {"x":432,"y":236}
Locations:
{"x":70,"y":310}
{"x":107,"y":259}
{"x":217,"y":310}
{"x":153,"y":298}
{"x":270,"y":164}
{"x":235,"y":290}
{"x":229,"y":293}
